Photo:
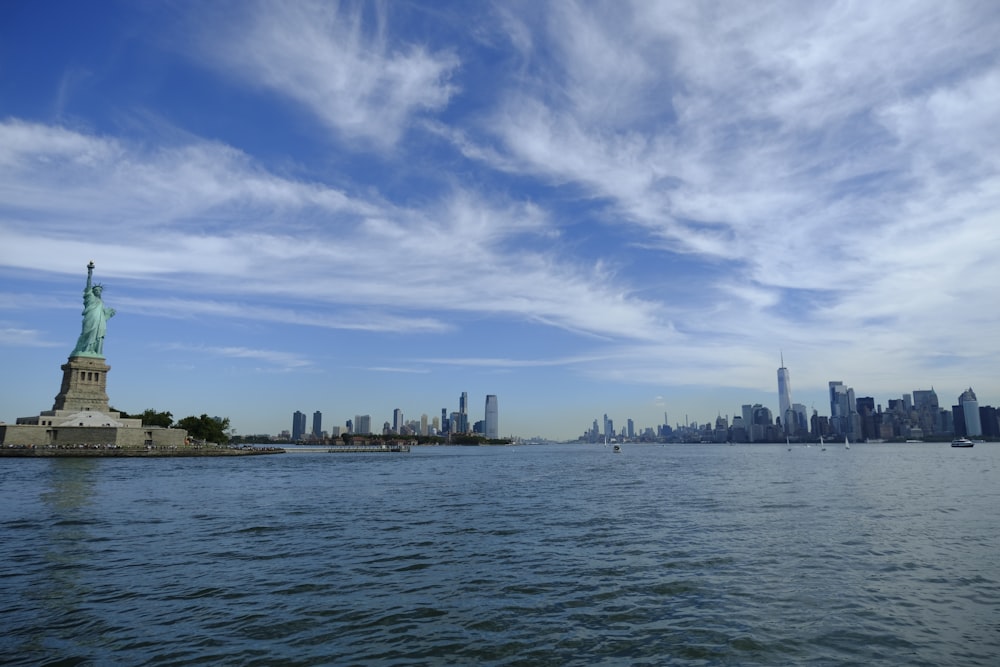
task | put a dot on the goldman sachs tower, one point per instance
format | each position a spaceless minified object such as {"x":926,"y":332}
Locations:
{"x":784,"y":395}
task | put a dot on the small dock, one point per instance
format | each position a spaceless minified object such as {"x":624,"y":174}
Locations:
{"x":369,"y":449}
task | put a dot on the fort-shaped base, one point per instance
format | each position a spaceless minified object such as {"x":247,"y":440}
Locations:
{"x":84,"y":385}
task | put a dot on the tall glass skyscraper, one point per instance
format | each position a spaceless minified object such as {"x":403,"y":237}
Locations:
{"x":363,"y":424}
{"x":785,"y":397}
{"x":298,"y":425}
{"x":463,"y":413}
{"x":492,"y":429}
{"x":970,"y":410}
{"x":317,"y":423}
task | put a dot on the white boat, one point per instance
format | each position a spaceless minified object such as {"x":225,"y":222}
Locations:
{"x":962,"y":442}
{"x":847,"y":443}
{"x":822,"y":445}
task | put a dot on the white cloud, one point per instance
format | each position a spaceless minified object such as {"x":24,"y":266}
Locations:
{"x":776,"y":131}
{"x":336,"y":64}
{"x":15,"y":337}
{"x":277,"y":358}
{"x":352,"y":249}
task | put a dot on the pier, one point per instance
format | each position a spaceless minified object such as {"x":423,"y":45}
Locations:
{"x":368,"y":449}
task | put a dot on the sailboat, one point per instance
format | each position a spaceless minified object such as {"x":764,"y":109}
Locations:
{"x":821,"y":444}
{"x":847,"y":443}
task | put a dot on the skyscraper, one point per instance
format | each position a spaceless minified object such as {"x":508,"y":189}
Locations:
{"x":492,"y":420}
{"x":317,"y":424}
{"x":970,"y":410}
{"x":298,"y":425}
{"x":785,"y":398}
{"x":838,"y":407}
{"x":925,"y":402}
{"x":463,"y":413}
{"x":397,"y":421}
{"x":362,"y":424}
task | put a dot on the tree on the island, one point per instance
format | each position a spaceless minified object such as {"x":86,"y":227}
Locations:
{"x":347,"y":438}
{"x":151,"y":417}
{"x":209,"y":429}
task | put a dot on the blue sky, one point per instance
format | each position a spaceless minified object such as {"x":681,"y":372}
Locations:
{"x":584,"y":208}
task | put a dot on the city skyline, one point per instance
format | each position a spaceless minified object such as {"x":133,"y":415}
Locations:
{"x":582,"y":208}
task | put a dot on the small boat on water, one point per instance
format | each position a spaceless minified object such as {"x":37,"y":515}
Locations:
{"x":617,"y":449}
{"x":962,"y":442}
{"x":847,"y":443}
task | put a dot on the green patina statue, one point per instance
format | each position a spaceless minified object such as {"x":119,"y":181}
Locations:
{"x":95,"y":320}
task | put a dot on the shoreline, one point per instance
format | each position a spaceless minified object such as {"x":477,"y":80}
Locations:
{"x":83,"y":451}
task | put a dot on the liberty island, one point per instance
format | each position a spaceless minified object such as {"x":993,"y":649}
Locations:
{"x":81,"y":421}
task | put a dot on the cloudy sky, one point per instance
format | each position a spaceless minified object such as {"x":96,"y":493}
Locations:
{"x":584,"y":208}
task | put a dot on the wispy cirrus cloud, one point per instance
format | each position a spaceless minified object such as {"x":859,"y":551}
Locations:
{"x":804,"y":148}
{"x":15,"y":337}
{"x":485,"y":238}
{"x":274,"y":358}
{"x":337,"y":65}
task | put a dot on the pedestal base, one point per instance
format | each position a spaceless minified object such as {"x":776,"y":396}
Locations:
{"x":84,"y":385}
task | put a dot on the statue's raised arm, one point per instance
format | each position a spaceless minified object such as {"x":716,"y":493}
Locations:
{"x":90,"y":277}
{"x":95,"y":319}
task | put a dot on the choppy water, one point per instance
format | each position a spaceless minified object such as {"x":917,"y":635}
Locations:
{"x":551,"y":555}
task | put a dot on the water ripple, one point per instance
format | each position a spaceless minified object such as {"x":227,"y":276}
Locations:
{"x":528,"y":556}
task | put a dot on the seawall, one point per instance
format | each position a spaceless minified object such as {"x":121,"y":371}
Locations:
{"x":99,"y":451}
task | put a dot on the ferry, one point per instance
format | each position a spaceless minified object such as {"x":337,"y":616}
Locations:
{"x":962,"y":442}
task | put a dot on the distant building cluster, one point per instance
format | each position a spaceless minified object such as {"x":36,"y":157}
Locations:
{"x":449,"y":423}
{"x":911,"y":417}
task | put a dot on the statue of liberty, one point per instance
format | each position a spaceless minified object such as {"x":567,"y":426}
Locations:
{"x":95,"y":319}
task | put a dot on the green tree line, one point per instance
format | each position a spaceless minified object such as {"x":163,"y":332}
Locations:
{"x":204,"y":427}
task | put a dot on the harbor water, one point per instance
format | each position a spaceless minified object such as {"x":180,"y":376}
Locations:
{"x":884,"y":554}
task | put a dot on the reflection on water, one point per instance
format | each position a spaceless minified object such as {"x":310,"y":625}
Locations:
{"x":68,"y":493}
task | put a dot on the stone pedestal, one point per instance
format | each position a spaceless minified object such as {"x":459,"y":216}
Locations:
{"x":84,"y":385}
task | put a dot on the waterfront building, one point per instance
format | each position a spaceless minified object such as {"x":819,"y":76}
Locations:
{"x":925,"y":403}
{"x":970,"y":412}
{"x":363,"y":424}
{"x":800,"y":418}
{"x":463,"y":413}
{"x":298,"y":425}
{"x":739,"y":431}
{"x":785,"y":398}
{"x":988,"y":421}
{"x":747,"y":411}
{"x":867,"y":417}
{"x":397,"y":421}
{"x":317,"y":424}
{"x":844,"y":418}
{"x":423,"y":424}
{"x":492,"y":420}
